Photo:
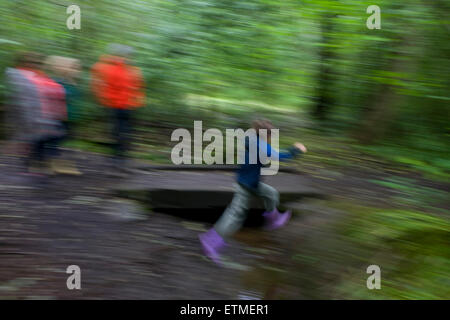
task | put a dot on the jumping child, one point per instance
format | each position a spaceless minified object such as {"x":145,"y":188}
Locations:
{"x":249,"y":185}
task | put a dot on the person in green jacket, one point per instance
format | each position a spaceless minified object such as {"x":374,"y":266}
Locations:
{"x":66,"y":71}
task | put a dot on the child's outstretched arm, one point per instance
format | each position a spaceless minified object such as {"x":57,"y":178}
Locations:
{"x":295,"y":150}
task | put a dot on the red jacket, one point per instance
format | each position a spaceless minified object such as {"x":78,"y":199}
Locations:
{"x":116,"y":84}
{"x":51,"y":94}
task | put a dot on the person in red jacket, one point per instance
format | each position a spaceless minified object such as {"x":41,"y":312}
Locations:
{"x":46,"y":112}
{"x":118,"y":86}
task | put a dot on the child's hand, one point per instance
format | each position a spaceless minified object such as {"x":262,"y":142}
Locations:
{"x":301,"y":147}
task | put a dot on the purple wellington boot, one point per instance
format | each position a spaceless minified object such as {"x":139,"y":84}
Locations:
{"x":275,"y":220}
{"x":212,"y":244}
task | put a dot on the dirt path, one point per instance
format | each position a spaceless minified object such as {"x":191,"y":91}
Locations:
{"x":125,"y":254}
{"x":44,"y":229}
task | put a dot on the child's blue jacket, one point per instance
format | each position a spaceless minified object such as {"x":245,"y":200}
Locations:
{"x":248,"y":174}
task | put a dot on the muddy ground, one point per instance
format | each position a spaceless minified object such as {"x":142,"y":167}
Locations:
{"x":127,"y":251}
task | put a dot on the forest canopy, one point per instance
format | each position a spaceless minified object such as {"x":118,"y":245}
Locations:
{"x":314,"y":56}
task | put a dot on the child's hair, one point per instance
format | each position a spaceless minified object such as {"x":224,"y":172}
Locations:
{"x":63,"y":67}
{"x":259,"y":124}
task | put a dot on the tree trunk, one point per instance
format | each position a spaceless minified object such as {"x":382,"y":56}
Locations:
{"x":382,"y":107}
{"x":325,"y":98}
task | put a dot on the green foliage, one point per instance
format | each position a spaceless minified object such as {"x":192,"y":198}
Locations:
{"x":226,"y":62}
{"x":410,"y":247}
{"x":258,"y":50}
{"x":411,"y":192}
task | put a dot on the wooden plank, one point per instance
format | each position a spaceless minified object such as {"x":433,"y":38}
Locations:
{"x":205,"y":189}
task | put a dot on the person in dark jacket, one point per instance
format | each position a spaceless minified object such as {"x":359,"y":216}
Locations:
{"x":248,"y":186}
